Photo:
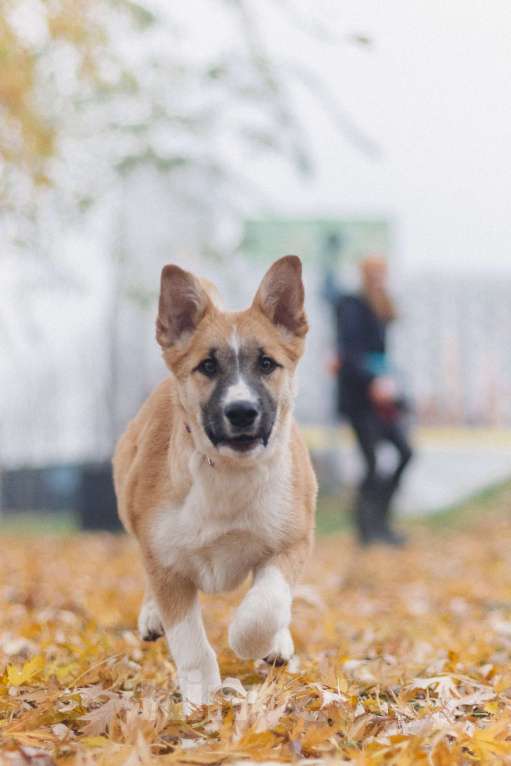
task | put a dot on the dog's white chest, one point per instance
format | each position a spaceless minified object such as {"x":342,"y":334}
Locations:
{"x":225,"y":527}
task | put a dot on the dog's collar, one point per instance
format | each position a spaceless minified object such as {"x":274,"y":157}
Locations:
{"x":206,"y":457}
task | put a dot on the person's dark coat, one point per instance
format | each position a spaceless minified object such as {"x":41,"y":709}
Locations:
{"x":360,"y":334}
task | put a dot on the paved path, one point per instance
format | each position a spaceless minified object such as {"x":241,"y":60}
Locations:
{"x":450,"y":464}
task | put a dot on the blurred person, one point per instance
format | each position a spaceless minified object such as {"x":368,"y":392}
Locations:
{"x":370,"y":398}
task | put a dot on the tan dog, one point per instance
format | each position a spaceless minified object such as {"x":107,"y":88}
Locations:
{"x":212,"y":476}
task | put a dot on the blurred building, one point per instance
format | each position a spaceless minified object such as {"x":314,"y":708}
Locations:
{"x":452,"y":345}
{"x":72,"y":385}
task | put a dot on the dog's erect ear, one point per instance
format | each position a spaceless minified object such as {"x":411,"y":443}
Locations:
{"x":280,"y":295}
{"x":183,"y":303}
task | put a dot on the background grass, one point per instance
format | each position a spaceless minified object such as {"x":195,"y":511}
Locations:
{"x":37,"y":523}
{"x":334,"y":514}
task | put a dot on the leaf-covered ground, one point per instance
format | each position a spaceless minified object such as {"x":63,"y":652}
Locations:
{"x":402,"y":657}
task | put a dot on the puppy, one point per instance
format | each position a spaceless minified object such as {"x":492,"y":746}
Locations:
{"x":212,"y":476}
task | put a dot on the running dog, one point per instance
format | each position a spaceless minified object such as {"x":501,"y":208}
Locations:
{"x":212,"y":476}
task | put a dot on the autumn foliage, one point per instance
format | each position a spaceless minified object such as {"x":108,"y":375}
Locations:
{"x":402,"y":658}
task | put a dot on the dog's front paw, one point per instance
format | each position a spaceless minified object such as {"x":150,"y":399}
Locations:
{"x":282,"y":649}
{"x":255,"y":626}
{"x":150,"y":625}
{"x":250,"y":640}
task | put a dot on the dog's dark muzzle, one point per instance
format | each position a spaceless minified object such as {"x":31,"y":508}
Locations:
{"x":241,"y":423}
{"x":242,"y":427}
{"x":242,"y":416}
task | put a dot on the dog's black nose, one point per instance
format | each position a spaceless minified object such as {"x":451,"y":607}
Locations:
{"x":241,"y":414}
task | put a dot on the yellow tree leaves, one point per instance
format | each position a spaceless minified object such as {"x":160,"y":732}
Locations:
{"x":27,"y":135}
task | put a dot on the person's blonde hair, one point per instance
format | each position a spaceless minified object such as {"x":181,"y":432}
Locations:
{"x":377,"y":295}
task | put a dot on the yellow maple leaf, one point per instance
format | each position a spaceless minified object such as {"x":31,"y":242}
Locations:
{"x":492,"y":707}
{"x":492,"y":740}
{"x":17,"y":676}
{"x":94,"y":741}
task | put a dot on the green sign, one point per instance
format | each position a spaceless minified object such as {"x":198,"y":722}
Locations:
{"x":324,"y":240}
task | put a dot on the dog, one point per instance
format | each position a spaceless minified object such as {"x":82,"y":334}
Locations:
{"x":212,"y":476}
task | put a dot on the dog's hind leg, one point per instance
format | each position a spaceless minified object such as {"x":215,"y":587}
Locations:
{"x":150,"y":626}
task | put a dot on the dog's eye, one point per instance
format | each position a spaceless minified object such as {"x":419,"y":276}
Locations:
{"x":208,"y":367}
{"x":267,"y":364}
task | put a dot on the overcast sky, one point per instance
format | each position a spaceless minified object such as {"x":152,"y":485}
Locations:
{"x":434,"y":92}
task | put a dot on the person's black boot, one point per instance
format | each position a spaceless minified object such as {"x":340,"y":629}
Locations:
{"x":360,"y":519}
{"x":385,"y":533}
{"x":367,"y":516}
{"x":364,"y":517}
{"x":389,"y":536}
